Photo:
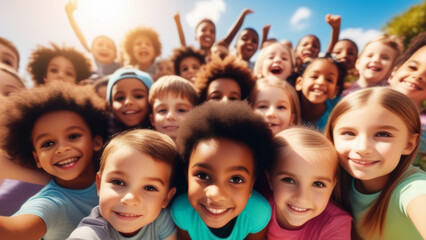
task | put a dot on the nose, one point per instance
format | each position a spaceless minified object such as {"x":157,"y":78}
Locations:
{"x":130,"y":198}
{"x":362,"y":144}
{"x":270,"y":113}
{"x":170,"y":115}
{"x":128,"y":101}
{"x":214,"y":193}
{"x":277,"y":59}
{"x":62,"y":148}
{"x":225,"y":99}
{"x":301,"y":194}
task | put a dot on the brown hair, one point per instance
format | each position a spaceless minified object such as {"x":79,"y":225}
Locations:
{"x":130,"y":39}
{"x":175,"y":85}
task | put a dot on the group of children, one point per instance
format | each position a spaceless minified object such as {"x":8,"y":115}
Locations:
{"x":208,"y":145}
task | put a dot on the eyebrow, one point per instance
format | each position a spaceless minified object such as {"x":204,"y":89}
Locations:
{"x":316,"y":178}
{"x":67,"y":129}
{"x":155,"y":179}
{"x":231,"y":169}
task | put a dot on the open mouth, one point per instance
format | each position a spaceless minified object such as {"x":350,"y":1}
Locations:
{"x":411,"y":85}
{"x":363,"y":162}
{"x":276,"y":70}
{"x":216,"y":211}
{"x":297,"y":209}
{"x":131,"y":112}
{"x":67,"y":163}
{"x":127,"y":216}
{"x":318,"y":92}
{"x":375,"y":68}
{"x":170,"y":127}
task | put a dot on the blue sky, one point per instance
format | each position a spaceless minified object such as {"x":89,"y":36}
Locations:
{"x":30,"y":23}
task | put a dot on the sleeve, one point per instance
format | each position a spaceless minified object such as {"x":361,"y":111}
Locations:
{"x":178,"y":212}
{"x":84,"y":233}
{"x":410,"y":188}
{"x":44,"y":208}
{"x":165,"y":226}
{"x":260,"y":212}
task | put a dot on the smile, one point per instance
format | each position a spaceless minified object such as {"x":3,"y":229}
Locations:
{"x":127,"y":216}
{"x":67,"y":162}
{"x":364,"y":163}
{"x":216,"y":211}
{"x":297,"y":209}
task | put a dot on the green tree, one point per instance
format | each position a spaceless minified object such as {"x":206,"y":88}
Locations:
{"x":408,"y":24}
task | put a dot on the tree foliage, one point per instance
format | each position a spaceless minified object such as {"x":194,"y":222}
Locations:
{"x":409,"y":24}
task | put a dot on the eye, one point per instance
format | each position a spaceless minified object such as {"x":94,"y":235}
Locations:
{"x":234,"y":98}
{"x":7,"y":62}
{"x":117,"y":182}
{"x":53,"y":70}
{"x":202,"y":176}
{"x":318,"y":184}
{"x":150,"y":188}
{"x":182,"y":110}
{"x":262,"y":106}
{"x":71,"y":74}
{"x":236,"y":179}
{"x":330,"y":80}
{"x":347,"y":133}
{"x":162,"y":111}
{"x":288,"y":180}
{"x":383,"y":134}
{"x":119,"y":99}
{"x":74,"y":136}
{"x":184,"y":69}
{"x":47,"y":144}
{"x":215,"y":97}
{"x":412,"y":67}
{"x":139,"y":96}
{"x":282,"y":107}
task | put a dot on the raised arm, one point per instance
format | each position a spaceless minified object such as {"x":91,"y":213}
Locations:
{"x":25,"y":226}
{"x":265,"y":32}
{"x":180,"y":29}
{"x":70,"y":7}
{"x":334,"y":21}
{"x":12,"y":170}
{"x":416,"y":211}
{"x":235,"y":28}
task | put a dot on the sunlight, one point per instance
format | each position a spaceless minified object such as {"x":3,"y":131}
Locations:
{"x":105,"y":11}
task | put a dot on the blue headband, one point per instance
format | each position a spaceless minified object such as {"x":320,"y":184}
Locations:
{"x":124,"y":73}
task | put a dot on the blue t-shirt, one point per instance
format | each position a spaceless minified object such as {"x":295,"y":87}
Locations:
{"x":252,"y":219}
{"x":60,"y":208}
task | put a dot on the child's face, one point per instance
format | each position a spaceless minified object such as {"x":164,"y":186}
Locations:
{"x":375,"y":62}
{"x":220,"y":180}
{"x":64,"y":146}
{"x":247,"y":44}
{"x":223,"y":89}
{"x":189,"y":67}
{"x":301,"y":187}
{"x":274,"y":105}
{"x":103,"y":50}
{"x":277,"y":62}
{"x":205,"y":34}
{"x":308,"y":48}
{"x":8,"y":57}
{"x":410,"y":77}
{"x":130,"y":101}
{"x":165,"y":67}
{"x":346,"y":53}
{"x":9,"y":84}
{"x":132,"y":189}
{"x":168,"y":112}
{"x":319,"y":81}
{"x":60,"y":69}
{"x":370,"y":142}
{"x":143,"y":51}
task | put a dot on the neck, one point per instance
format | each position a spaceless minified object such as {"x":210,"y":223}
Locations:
{"x":312,"y":111}
{"x":84,"y":180}
{"x":372,"y":185}
{"x":143,"y":67}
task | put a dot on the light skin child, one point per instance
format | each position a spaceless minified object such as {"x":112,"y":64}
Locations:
{"x":317,"y":84}
{"x":302,"y":178}
{"x":8,"y":57}
{"x":164,"y":67}
{"x":143,"y":52}
{"x":189,"y":67}
{"x":60,"y":69}
{"x":133,"y":188}
{"x":274,"y":60}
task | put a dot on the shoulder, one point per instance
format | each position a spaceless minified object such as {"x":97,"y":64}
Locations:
{"x":182,"y":211}
{"x":93,"y":226}
{"x":257,"y":212}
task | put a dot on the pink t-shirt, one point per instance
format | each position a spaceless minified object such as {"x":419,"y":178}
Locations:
{"x":333,"y":223}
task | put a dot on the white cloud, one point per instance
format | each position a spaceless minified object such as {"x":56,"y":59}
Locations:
{"x":211,"y":9}
{"x":359,"y":35}
{"x":297,"y":20}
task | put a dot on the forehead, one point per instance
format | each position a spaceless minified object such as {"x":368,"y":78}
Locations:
{"x":227,"y":83}
{"x":309,"y":38}
{"x":378,"y":47}
{"x":103,"y":39}
{"x":345,"y":44}
{"x":277,"y":48}
{"x":169,"y":97}
{"x":322,"y":65}
{"x":62,"y":61}
{"x":190,"y":59}
{"x":58,"y":120}
{"x":248,"y":33}
{"x":6,"y":50}
{"x":142,"y":38}
{"x":205,"y":24}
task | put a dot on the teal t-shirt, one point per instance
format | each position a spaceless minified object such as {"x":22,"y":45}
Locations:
{"x":252,"y":219}
{"x":397,"y":224}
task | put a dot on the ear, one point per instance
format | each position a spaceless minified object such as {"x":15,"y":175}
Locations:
{"x":169,"y":197}
{"x":411,"y":144}
{"x":151,"y":119}
{"x":298,"y":84}
{"x":292,"y":118}
{"x":268,"y":177}
{"x":97,"y":143}
{"x":98,"y":182}
{"x":36,"y":159}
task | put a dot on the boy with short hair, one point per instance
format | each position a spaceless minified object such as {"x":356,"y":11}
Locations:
{"x":187,"y":62}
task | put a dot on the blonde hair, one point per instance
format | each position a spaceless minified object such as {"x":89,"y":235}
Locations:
{"x":157,"y":145}
{"x":175,"y":85}
{"x":286,"y":87}
{"x":307,"y":143}
{"x":257,"y":70}
{"x":404,"y":108}
{"x":391,"y":41}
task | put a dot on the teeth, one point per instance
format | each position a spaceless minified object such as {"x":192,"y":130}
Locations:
{"x":411,"y":85}
{"x":171,"y":127}
{"x":130,"y":112}
{"x":318,"y":92}
{"x":66,"y":162}
{"x":298,"y":208}
{"x":128,"y":215}
{"x":215,"y":211}
{"x":363,"y":162}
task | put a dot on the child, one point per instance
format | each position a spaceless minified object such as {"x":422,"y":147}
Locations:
{"x":320,"y":83}
{"x":224,"y":80}
{"x":127,"y":96}
{"x":58,"y":128}
{"x":9,"y":54}
{"x":309,"y":46}
{"x":277,"y":102}
{"x":302,"y":179}
{"x":224,"y":147}
{"x":135,"y":185}
{"x":47,"y":64}
{"x":409,"y":78}
{"x":164,"y":67}
{"x":171,"y":98}
{"x":346,"y":52}
{"x":274,"y":60}
{"x":141,"y":46}
{"x":187,"y":62}
{"x":376,"y":133}
{"x":103,"y":48}
{"x":10,"y":81}
{"x":375,"y":62}
{"x":246,"y":45}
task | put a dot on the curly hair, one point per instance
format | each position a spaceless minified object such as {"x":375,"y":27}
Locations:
{"x":235,"y":121}
{"x":229,"y":67}
{"x":11,"y":46}
{"x":40,"y":58}
{"x":130,"y":39}
{"x":26,"y":106}
{"x":179,"y":54}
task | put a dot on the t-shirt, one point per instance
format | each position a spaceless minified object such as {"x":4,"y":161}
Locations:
{"x":60,"y":208}
{"x":252,"y":219}
{"x":397,"y":224}
{"x":332,"y":223}
{"x":95,"y":227}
